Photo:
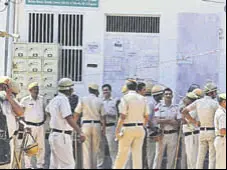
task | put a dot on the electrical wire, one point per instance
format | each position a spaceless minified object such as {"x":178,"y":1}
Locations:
{"x":15,"y":1}
{"x":212,"y":1}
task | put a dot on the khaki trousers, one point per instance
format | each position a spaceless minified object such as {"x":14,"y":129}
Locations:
{"x":220,"y":145}
{"x":169,"y":143}
{"x":132,"y":139}
{"x":91,"y":145}
{"x":206,"y":142}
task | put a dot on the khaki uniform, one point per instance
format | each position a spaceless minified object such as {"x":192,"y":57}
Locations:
{"x":191,"y":134}
{"x":92,"y":109}
{"x":220,"y":141}
{"x":205,"y":108}
{"x":12,"y":127}
{"x":60,"y":142}
{"x":169,"y":140}
{"x":109,"y":139}
{"x":34,"y":114}
{"x":135,"y":108}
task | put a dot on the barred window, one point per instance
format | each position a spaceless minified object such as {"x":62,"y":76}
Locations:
{"x":41,"y":28}
{"x":71,"y":64}
{"x":69,"y":32}
{"x":133,"y":24}
{"x":70,"y":36}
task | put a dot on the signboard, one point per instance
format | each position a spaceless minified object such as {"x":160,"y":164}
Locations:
{"x":75,"y":3}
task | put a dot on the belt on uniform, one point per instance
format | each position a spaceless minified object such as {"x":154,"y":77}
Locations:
{"x":170,"y":131}
{"x":34,"y":124}
{"x":221,"y":136}
{"x":192,"y":133}
{"x":110,"y":124}
{"x":207,"y":128}
{"x":69,"y":132}
{"x":133,"y":124}
{"x":91,"y":121}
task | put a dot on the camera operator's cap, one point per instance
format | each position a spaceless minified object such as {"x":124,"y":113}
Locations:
{"x":94,"y":86}
{"x":65,"y":84}
{"x":32,"y":85}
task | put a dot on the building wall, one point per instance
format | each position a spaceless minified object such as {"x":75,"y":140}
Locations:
{"x":2,"y":40}
{"x":94,"y":31}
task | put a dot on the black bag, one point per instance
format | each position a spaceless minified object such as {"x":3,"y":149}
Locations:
{"x":5,"y":155}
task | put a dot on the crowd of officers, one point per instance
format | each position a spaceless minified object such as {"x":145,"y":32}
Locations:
{"x":138,"y":128}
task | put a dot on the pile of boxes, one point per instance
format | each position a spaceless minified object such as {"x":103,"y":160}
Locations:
{"x":36,"y":62}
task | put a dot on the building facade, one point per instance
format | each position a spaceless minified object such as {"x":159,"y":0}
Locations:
{"x":108,"y":41}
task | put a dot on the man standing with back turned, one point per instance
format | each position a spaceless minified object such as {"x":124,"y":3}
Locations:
{"x":130,"y":129}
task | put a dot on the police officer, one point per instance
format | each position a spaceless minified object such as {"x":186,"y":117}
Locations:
{"x":130,"y":129}
{"x":62,"y":124}
{"x":199,"y":93}
{"x":110,"y":106}
{"x":220,"y":126}
{"x":191,"y":134}
{"x":34,"y":117}
{"x":152,"y":129}
{"x":93,"y":116}
{"x":206,"y":108}
{"x":166,"y":116}
{"x":11,"y":109}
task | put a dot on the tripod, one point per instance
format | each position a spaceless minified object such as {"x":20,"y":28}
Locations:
{"x":19,"y":157}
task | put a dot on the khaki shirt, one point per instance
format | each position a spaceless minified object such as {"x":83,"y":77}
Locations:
{"x":34,"y":109}
{"x":92,"y":108}
{"x":135,"y":107}
{"x":205,"y":109}
{"x":59,"y":108}
{"x":166,"y":112}
{"x":110,"y":106}
{"x":220,"y":120}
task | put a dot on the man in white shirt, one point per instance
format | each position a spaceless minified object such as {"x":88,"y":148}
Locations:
{"x":34,"y":117}
{"x":220,"y":127}
{"x":108,"y":139}
{"x":62,"y":124}
{"x":166,"y":114}
{"x":191,"y":133}
{"x":205,"y":109}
